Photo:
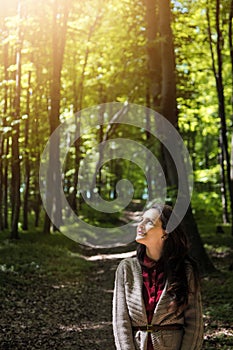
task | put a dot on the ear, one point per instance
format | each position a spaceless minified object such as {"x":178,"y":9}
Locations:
{"x":164,"y":235}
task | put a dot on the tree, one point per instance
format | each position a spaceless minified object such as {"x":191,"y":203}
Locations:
{"x":15,"y":183}
{"x":108,"y":55}
{"x":169,"y":111}
{"x":218,"y":74}
{"x":60,"y":18}
{"x":27,"y":160}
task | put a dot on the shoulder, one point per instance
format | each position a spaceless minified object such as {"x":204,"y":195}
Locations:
{"x":128,"y":266}
{"x":129,"y":272}
{"x":128,"y":263}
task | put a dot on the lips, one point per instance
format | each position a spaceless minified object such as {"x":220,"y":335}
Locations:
{"x":141,"y":232}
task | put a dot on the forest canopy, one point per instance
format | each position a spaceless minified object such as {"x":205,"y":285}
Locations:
{"x":59,"y":57}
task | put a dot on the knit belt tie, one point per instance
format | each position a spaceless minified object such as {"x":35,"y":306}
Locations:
{"x":155,"y":328}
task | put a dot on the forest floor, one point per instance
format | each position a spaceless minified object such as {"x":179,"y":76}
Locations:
{"x":55,"y":295}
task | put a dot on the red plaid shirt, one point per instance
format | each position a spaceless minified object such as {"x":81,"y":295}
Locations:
{"x":153,"y":284}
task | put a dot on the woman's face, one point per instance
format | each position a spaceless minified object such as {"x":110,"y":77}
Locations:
{"x":149,"y":224}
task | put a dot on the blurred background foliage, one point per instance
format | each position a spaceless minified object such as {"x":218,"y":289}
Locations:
{"x":59,"y":57}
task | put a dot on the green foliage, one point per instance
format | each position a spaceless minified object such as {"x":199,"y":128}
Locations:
{"x":207,"y":207}
{"x":106,"y":60}
{"x":41,"y":256}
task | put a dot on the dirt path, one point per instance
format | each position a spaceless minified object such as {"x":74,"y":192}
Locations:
{"x":71,"y":315}
{"x":39,"y":312}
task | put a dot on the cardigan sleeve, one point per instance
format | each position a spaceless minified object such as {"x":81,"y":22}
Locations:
{"x":122,"y":327}
{"x":193,"y":320}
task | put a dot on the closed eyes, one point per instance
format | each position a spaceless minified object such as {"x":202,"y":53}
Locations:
{"x":146,"y":221}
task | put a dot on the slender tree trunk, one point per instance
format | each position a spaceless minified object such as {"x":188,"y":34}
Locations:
{"x":4,"y":135}
{"x":148,"y":138}
{"x":77,"y":143}
{"x":15,"y":183}
{"x":77,"y":146}
{"x":54,"y":173}
{"x":225,"y":217}
{"x":101,"y":136}
{"x":230,"y":33}
{"x":27,"y":161}
{"x":37,"y":202}
{"x":221,"y":100}
{"x":1,"y":181}
{"x":5,"y":182}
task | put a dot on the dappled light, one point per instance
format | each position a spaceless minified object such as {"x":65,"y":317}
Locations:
{"x":95,"y":96}
{"x":110,"y":256}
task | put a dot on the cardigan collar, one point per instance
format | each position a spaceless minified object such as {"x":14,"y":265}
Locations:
{"x":149,"y":263}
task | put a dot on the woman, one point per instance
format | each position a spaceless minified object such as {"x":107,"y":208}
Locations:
{"x":156,"y":302}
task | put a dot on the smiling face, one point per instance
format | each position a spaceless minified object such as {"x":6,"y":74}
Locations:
{"x":149,"y":224}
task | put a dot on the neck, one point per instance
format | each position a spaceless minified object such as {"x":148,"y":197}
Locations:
{"x":154,"y":253}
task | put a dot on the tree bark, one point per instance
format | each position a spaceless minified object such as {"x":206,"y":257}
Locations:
{"x":168,"y":109}
{"x":5,"y":142}
{"x":221,"y":106}
{"x":221,"y":103}
{"x":154,"y":52}
{"x":231,"y":56}
{"x":5,"y":184}
{"x":225,"y":216}
{"x":54,"y":173}
{"x":26,"y":155}
{"x":1,"y":181}
{"x":15,"y":183}
{"x":168,"y":91}
{"x":37,"y":202}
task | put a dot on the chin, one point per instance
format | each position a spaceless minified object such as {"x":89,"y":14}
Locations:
{"x":139,"y":238}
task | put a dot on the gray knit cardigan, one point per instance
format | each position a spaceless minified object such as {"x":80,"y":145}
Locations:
{"x":129,"y":310}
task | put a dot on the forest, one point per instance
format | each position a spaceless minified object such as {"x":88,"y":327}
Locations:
{"x":80,"y":62}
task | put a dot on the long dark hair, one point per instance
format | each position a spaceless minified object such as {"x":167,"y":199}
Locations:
{"x":176,"y":260}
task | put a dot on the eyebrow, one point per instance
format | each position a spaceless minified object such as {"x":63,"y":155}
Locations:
{"x":146,"y":218}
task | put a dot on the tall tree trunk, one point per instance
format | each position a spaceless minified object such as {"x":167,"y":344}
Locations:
{"x":221,"y":100}
{"x":148,"y":139}
{"x":230,"y":33}
{"x":221,"y":106}
{"x":5,"y":181}
{"x":169,"y":111}
{"x":101,"y":137}
{"x":15,"y":183}
{"x":1,"y":181}
{"x":168,"y":91}
{"x":77,"y":143}
{"x":37,"y":199}
{"x":225,"y":216}
{"x":54,"y":172}
{"x":5,"y":142}
{"x":168,"y":85}
{"x":154,"y":52}
{"x":26,"y":155}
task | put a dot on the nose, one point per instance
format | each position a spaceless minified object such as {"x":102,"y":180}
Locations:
{"x":141,"y":226}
